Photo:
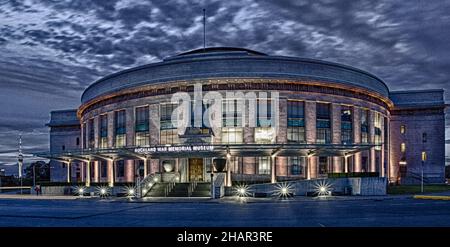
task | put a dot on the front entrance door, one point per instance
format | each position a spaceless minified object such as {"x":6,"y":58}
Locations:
{"x":196,"y":169}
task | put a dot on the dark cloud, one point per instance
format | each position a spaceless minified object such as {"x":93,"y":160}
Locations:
{"x":51,"y":50}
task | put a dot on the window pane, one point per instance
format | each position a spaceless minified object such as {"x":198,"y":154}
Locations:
{"x":264,"y":165}
{"x":264,"y":135}
{"x":232,"y":135}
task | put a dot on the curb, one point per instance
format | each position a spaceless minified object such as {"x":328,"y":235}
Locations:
{"x":431,"y":197}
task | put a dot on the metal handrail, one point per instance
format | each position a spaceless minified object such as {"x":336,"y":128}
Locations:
{"x":169,"y":187}
{"x":142,"y":184}
{"x":191,"y":188}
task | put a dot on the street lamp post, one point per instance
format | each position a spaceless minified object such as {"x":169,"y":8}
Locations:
{"x":424,"y":158}
{"x":34,"y":175}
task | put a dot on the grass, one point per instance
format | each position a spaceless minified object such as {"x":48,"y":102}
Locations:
{"x":415,"y":189}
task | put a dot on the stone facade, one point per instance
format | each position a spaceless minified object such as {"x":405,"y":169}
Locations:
{"x":147,"y":87}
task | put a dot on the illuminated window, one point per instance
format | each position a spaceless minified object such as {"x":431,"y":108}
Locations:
{"x":168,"y":131}
{"x":103,"y":131}
{"x":264,"y":165}
{"x":120,"y":128}
{"x":169,"y":136}
{"x":264,"y":135}
{"x":403,"y":147}
{"x":142,"y":126}
{"x":232,"y":135}
{"x":378,"y":122}
{"x":402,"y":129}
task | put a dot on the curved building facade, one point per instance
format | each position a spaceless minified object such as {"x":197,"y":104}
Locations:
{"x":275,"y":118}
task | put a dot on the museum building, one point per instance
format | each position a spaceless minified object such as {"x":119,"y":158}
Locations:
{"x":331,"y":119}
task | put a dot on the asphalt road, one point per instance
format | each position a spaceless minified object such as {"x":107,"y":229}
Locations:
{"x":323,"y":213}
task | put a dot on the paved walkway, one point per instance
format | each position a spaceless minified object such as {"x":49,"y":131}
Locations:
{"x":35,"y":197}
{"x":230,"y":199}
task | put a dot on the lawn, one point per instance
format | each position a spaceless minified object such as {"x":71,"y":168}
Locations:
{"x":415,"y":189}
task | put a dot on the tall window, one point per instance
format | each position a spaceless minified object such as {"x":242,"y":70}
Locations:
{"x":378,"y":122}
{"x":120,"y":168}
{"x":103,"y":131}
{"x":84,"y":135}
{"x":264,"y":165}
{"x":91,"y":133}
{"x":232,"y":131}
{"x":264,"y":132}
{"x":120,"y":128}
{"x":296,"y":121}
{"x":364,"y":126}
{"x":323,"y":123}
{"x":142,"y":126}
{"x":264,"y":113}
{"x":231,"y":113}
{"x":297,"y":165}
{"x":424,"y":137}
{"x":346,"y":125}
{"x":168,"y":132}
{"x":323,"y":165}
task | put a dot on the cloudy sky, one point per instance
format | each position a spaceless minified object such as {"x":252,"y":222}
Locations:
{"x":51,"y":50}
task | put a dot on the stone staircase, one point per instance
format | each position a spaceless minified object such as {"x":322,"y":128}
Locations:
{"x":180,"y":190}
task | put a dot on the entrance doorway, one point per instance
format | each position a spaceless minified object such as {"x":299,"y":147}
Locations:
{"x":196,"y":169}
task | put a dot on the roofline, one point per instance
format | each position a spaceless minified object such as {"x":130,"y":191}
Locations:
{"x":285,"y":58}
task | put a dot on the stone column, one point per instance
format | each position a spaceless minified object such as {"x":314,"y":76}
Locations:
{"x":111,"y":173}
{"x":382,"y":168}
{"x":146,"y":167}
{"x":87,"y":134}
{"x":88,"y":174}
{"x":372,"y":141}
{"x":111,"y":129}
{"x":228,"y":178}
{"x":96,"y":132}
{"x":357,"y":137}
{"x":282,"y":122}
{"x":336,"y":134}
{"x":68,"y":171}
{"x":130,"y":126}
{"x":96,"y":171}
{"x":154,"y":166}
{"x":154,"y":125}
{"x":82,"y":172}
{"x":273,"y":174}
{"x":387,"y":145}
{"x":310,"y":128}
{"x":82,"y":139}
{"x":96,"y":145}
{"x":129,"y":171}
